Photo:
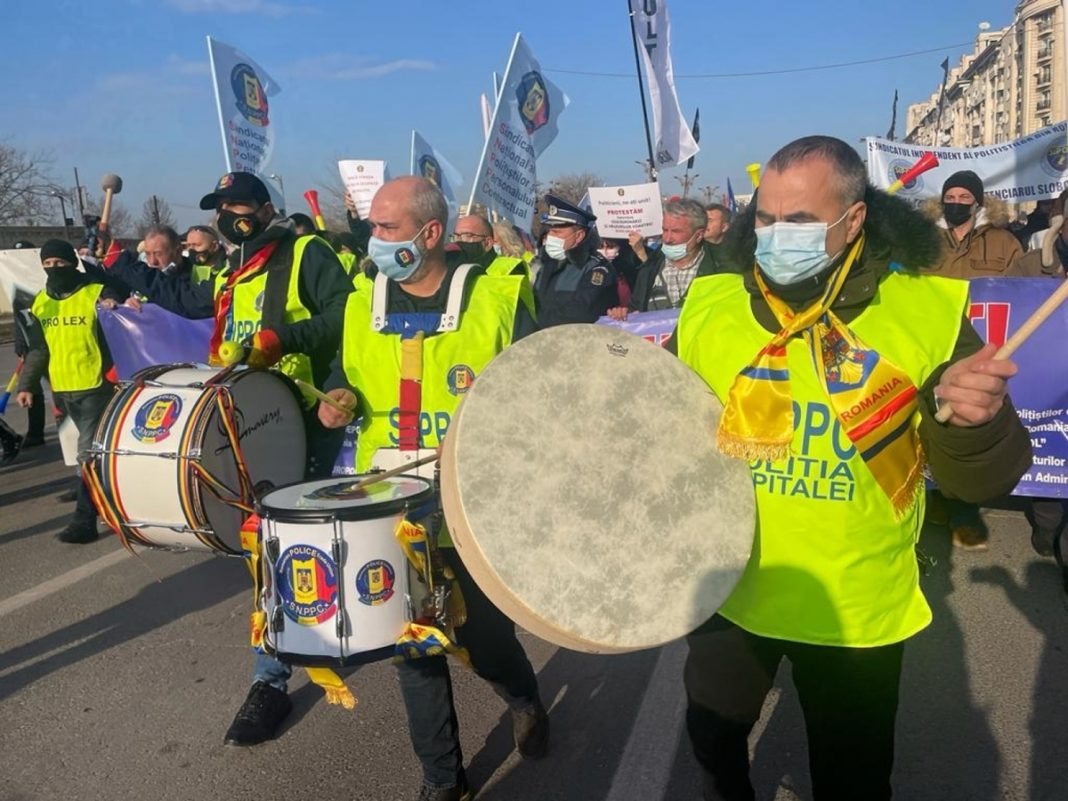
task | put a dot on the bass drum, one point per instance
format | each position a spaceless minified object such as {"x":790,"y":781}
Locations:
{"x":164,"y":459}
{"x":583,"y":490}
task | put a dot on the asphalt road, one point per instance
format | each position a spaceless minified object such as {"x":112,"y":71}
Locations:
{"x":118,"y":677}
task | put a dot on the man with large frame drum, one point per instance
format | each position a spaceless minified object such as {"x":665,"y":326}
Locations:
{"x":417,"y":333}
{"x":831,"y":354}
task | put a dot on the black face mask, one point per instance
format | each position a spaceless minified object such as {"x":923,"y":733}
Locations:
{"x":957,"y":213}
{"x":61,"y":280}
{"x":472,"y":251}
{"x":239,"y":228}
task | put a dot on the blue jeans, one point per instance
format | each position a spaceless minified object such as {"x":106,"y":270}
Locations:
{"x":269,"y":670}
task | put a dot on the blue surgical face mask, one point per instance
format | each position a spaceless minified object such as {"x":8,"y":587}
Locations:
{"x":790,"y":252}
{"x":398,"y":260}
{"x":554,"y":248}
{"x":674,"y":252}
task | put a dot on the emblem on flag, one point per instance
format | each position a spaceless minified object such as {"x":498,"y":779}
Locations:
{"x":249,"y":95}
{"x":533,"y":100}
{"x":430,"y":169}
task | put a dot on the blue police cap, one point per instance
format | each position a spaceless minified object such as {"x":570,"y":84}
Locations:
{"x":560,"y":212}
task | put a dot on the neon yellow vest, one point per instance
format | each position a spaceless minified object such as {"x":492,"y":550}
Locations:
{"x":201,"y":273}
{"x":451,"y":362}
{"x":75,"y":361}
{"x":507,"y":265}
{"x":348,"y":261}
{"x":247,"y":310}
{"x":830,"y":565}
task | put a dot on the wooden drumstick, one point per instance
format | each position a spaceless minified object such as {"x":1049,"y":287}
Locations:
{"x":394,"y":471}
{"x":112,"y":185}
{"x":315,"y":392}
{"x":1020,"y":336}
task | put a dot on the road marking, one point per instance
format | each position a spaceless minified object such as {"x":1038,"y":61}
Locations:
{"x":644,"y":772}
{"x":46,"y":588}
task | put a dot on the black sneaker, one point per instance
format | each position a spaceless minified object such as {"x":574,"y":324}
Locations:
{"x":530,"y":727}
{"x":258,"y":718}
{"x":458,"y":792}
{"x":33,"y":442}
{"x":79,"y":532}
{"x":11,"y":449}
{"x":1042,"y":541}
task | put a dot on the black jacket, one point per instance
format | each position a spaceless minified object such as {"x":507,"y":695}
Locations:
{"x":650,"y":269}
{"x":323,"y":286}
{"x":578,"y":289}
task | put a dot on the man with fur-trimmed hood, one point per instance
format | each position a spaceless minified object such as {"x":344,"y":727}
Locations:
{"x":832,"y":352}
{"x":974,"y":246}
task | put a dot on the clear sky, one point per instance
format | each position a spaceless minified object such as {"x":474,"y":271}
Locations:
{"x":123,"y":85}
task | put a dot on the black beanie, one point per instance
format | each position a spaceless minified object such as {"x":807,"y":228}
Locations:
{"x":965,"y":179}
{"x":59,"y":249}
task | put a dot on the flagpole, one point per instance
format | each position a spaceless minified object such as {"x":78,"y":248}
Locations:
{"x":411,"y":160}
{"x":493,"y":125}
{"x":218,"y":107}
{"x":641,"y":91}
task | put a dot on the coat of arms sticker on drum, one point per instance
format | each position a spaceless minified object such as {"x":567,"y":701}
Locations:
{"x":155,"y":418}
{"x":307,"y":585}
{"x":374,"y":582}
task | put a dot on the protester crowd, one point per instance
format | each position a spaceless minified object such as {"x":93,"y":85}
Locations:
{"x":300,"y":299}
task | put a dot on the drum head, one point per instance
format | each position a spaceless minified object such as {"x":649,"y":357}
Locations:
{"x":333,"y":498}
{"x":583,"y":489}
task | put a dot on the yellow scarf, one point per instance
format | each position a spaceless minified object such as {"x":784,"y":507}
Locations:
{"x":873,"y":399}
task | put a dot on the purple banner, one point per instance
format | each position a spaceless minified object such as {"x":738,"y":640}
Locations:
{"x":139,"y":339}
{"x":1039,"y":391}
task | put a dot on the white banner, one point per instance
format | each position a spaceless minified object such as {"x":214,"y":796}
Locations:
{"x":362,"y":179}
{"x":652,"y":27}
{"x":430,"y":164}
{"x":242,"y":89}
{"x":524,"y":124}
{"x":622,"y":209}
{"x":1034,"y":167}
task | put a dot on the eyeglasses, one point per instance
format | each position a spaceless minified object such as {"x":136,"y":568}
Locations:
{"x":467,"y":237}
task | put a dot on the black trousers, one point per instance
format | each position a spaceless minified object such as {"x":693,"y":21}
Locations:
{"x":849,"y":697}
{"x":496,"y":656}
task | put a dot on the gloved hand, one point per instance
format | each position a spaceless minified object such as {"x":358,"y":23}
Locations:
{"x":264,"y":349}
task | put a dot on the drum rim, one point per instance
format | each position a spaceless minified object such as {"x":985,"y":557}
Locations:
{"x":354,"y":513}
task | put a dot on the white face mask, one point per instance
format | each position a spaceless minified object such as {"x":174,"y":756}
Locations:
{"x":609,"y":253}
{"x":554,"y":248}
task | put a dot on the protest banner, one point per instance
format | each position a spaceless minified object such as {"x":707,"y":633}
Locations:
{"x":652,"y":28}
{"x":362,"y":179}
{"x":998,"y":307}
{"x":1034,"y":167}
{"x":430,"y":164}
{"x":524,"y":124}
{"x":242,"y":89}
{"x":622,"y":209}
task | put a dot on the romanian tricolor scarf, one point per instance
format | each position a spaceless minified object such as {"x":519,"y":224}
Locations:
{"x":224,"y":300}
{"x":873,"y":399}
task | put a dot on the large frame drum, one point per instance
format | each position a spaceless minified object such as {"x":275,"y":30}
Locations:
{"x":336,"y":586}
{"x":164,"y":431}
{"x":583,"y":490}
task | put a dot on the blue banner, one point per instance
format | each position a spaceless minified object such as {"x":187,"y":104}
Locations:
{"x":1039,"y":391}
{"x":153,"y":335}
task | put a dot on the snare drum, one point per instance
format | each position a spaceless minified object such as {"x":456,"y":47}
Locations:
{"x":164,"y":432}
{"x":336,"y":586}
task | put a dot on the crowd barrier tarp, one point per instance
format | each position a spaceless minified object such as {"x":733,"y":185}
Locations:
{"x":153,"y":335}
{"x":1039,"y":391}
{"x":1034,"y":167}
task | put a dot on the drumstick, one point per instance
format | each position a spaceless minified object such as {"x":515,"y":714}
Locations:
{"x":1029,"y":326}
{"x":315,"y":392}
{"x":395,"y":471}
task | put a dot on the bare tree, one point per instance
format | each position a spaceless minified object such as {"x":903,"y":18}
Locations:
{"x":156,"y":211}
{"x":121,"y":223}
{"x":24,"y":187}
{"x":572,"y":186}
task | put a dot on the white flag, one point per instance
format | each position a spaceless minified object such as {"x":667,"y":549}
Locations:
{"x":430,"y":164}
{"x":524,"y":124}
{"x":242,"y":92}
{"x":674,"y":142}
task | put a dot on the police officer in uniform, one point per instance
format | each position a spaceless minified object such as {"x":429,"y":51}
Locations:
{"x":460,"y":318}
{"x":576,"y":284}
{"x":292,"y":321}
{"x":71,"y":347}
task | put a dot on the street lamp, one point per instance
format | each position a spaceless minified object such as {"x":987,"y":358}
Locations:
{"x":63,"y":210}
{"x":281,"y":188}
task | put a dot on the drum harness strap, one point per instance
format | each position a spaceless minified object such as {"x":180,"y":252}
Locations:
{"x":431,"y":632}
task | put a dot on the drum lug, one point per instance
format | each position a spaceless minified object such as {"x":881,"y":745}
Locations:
{"x":271,"y":546}
{"x":278,"y":622}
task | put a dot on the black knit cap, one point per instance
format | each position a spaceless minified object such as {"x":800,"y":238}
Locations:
{"x":59,"y":249}
{"x":965,"y":179}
